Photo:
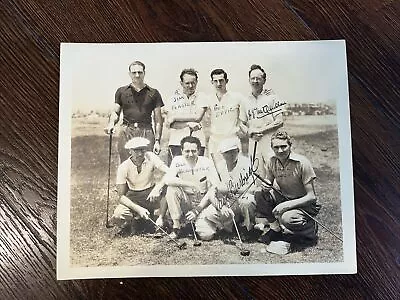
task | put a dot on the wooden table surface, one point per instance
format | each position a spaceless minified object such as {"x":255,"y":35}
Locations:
{"x":30,"y":35}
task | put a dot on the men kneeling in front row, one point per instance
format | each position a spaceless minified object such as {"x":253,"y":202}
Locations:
{"x":211,"y":196}
{"x":195,"y":193}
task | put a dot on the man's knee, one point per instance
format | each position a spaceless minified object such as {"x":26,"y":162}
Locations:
{"x":122,"y":215}
{"x":292,"y":219}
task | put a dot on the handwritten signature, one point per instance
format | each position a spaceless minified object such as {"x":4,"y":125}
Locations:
{"x":235,"y":185}
{"x":261,"y":112}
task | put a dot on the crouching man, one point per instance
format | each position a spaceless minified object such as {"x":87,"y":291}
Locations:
{"x":233,"y":195}
{"x":287,"y":215}
{"x":139,"y":195}
{"x":189,"y":179}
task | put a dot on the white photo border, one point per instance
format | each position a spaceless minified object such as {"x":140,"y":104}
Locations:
{"x":65,"y":271}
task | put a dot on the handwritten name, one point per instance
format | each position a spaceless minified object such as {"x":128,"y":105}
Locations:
{"x":266,"y":110}
{"x":244,"y":177}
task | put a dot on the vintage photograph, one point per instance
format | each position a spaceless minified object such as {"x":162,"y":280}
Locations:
{"x":204,"y":159}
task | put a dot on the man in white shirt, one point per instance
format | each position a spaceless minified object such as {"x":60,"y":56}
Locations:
{"x":234,"y":193}
{"x":224,"y":106}
{"x":185,"y":110}
{"x":189,"y":179}
{"x":262,"y":113}
{"x":139,"y":195}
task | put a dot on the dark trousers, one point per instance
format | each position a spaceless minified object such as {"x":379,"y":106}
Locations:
{"x":296,"y":222}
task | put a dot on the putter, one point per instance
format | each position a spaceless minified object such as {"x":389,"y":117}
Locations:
{"x":180,"y":245}
{"x":196,"y":241}
{"x":243,"y":252}
{"x":108,"y":225}
{"x":306,"y":213}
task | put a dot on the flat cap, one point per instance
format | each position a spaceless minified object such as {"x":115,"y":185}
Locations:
{"x":137,"y":142}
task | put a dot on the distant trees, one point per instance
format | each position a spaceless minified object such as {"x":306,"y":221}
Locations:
{"x":302,"y":109}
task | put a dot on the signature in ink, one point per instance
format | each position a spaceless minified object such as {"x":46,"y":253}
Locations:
{"x":261,"y":112}
{"x":244,"y":178}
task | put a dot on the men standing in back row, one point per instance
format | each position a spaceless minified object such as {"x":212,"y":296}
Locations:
{"x":185,"y":109}
{"x":224,"y":106}
{"x":137,"y":101}
{"x":262,"y":113}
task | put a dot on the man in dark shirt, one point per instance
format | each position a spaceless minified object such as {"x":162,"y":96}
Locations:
{"x":137,"y":101}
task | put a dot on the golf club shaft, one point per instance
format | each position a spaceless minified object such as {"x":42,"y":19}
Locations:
{"x":306,"y":213}
{"x":194,"y":232}
{"x":254,"y":152}
{"x":237,"y":230}
{"x":108,"y":179}
{"x":163,"y":231}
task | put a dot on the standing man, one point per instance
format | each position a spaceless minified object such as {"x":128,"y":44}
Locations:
{"x":137,"y":101}
{"x":224,"y":106}
{"x":287,"y":216}
{"x":233,"y":196}
{"x":185,"y":110}
{"x":139,"y":195}
{"x":189,"y":179}
{"x":262,"y":113}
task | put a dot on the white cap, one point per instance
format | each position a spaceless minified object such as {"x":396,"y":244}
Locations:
{"x":137,"y":142}
{"x":228,"y":144}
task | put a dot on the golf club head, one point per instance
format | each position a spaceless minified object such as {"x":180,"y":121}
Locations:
{"x":197,"y":243}
{"x":245,"y":252}
{"x":182,"y":246}
{"x":108,"y":225}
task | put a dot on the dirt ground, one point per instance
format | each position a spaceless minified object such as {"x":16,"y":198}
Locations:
{"x":94,"y":245}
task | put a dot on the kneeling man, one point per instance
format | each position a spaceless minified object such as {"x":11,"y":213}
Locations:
{"x":233,"y":197}
{"x":139,"y":195}
{"x":288,"y":216}
{"x":189,"y":179}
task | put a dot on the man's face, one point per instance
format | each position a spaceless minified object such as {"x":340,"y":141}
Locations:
{"x":138,"y":154}
{"x":281,"y":148}
{"x":256,"y":80}
{"x":137,"y":74}
{"x":189,"y":84}
{"x":219,"y":82}
{"x":231,"y":155}
{"x":190,"y":151}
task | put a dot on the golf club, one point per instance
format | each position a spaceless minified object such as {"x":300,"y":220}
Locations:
{"x":180,"y":245}
{"x":108,"y":225}
{"x":306,"y":213}
{"x":254,"y":152}
{"x":243,"y":252}
{"x":196,"y":241}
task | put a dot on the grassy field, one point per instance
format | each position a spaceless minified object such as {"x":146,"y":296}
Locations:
{"x":94,"y":245}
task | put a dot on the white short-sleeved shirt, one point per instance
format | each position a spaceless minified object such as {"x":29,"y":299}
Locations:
{"x":261,"y":111}
{"x":225,"y":114}
{"x":181,"y":105}
{"x":240,"y":177}
{"x":293,"y":176}
{"x":127,"y":172}
{"x":203,"y":172}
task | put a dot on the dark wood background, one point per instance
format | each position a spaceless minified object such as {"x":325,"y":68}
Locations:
{"x":30,"y":35}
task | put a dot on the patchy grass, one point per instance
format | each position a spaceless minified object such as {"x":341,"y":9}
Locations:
{"x":94,"y":245}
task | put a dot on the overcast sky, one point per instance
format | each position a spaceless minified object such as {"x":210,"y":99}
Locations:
{"x":299,"y":72}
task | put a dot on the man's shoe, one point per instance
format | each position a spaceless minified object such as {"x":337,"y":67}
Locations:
{"x":269,"y":236}
{"x":175,"y":233}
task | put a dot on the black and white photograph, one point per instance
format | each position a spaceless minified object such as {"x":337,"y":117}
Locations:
{"x":204,"y":159}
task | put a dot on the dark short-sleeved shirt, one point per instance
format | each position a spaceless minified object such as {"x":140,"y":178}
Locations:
{"x":293,"y":176}
{"x":138,"y":106}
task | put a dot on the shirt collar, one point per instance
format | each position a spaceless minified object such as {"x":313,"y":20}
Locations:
{"x":292,"y":156}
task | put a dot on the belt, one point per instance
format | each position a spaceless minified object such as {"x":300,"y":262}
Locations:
{"x":137,"y":124}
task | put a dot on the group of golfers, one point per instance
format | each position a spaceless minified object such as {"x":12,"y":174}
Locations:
{"x":213,"y":186}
